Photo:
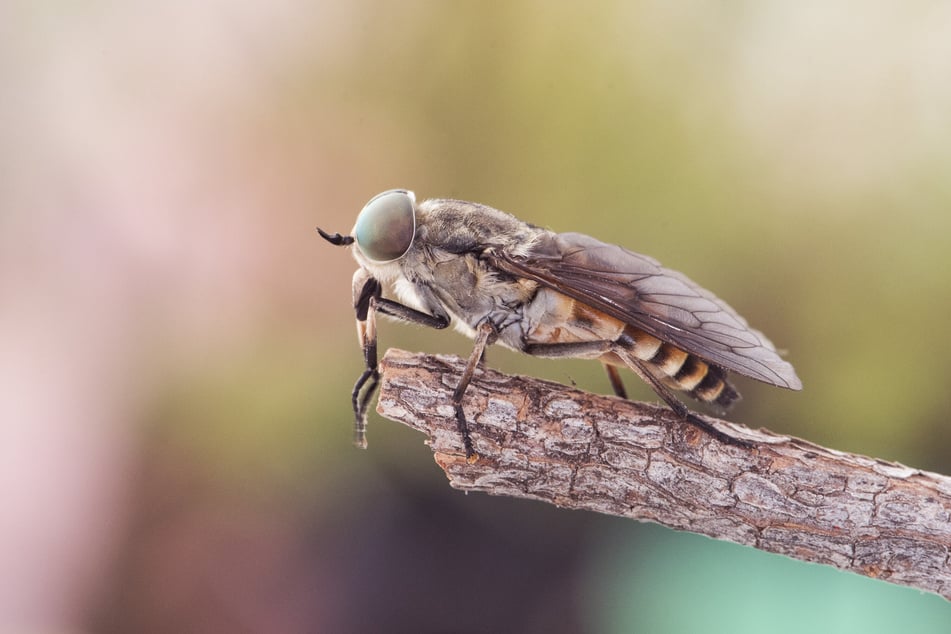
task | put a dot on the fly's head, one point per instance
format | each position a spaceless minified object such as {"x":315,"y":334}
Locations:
{"x":384,"y":232}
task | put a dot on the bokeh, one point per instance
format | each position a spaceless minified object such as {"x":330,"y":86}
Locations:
{"x":177,"y":346}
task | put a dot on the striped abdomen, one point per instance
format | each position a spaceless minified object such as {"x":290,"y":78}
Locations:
{"x":570,"y":322}
{"x":680,"y":370}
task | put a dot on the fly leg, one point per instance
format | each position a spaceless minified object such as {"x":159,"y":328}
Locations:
{"x":574,"y":349}
{"x":367,"y":301}
{"x":365,"y":290}
{"x":485,"y":335}
{"x":582,"y":350}
{"x":615,"y":377}
{"x":640,"y":369}
{"x":594,"y":349}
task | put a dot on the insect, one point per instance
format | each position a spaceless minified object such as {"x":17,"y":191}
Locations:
{"x":500,"y":280}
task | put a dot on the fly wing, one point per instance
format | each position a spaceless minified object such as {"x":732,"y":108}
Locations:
{"x":639,"y":291}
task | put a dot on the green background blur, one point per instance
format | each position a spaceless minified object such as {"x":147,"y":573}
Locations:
{"x":178,"y":343}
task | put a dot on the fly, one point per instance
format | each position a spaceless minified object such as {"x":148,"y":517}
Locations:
{"x":500,"y":280}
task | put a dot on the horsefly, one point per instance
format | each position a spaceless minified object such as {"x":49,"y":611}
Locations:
{"x":500,"y":280}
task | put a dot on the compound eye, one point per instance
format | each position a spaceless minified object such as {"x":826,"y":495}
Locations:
{"x":386,"y":226}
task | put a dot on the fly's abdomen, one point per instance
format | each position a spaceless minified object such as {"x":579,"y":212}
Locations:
{"x":681,"y":370}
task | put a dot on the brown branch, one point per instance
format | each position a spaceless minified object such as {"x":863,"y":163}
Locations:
{"x":544,"y":441}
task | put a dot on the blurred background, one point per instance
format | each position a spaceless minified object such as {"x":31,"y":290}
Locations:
{"x":177,"y":345}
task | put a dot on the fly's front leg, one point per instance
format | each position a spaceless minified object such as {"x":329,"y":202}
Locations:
{"x":485,"y":335}
{"x":365,"y":290}
{"x":368,"y":301}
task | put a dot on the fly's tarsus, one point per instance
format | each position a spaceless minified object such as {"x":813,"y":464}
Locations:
{"x":370,"y":378}
{"x":485,"y":335}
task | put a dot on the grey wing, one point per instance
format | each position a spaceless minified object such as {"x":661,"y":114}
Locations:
{"x":666,"y":304}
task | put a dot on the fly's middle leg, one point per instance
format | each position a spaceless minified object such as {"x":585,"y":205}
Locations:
{"x":485,"y":335}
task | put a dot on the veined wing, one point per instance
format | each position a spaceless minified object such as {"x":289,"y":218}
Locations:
{"x":666,"y":304}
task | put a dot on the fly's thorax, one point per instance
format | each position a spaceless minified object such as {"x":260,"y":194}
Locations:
{"x":474,"y":292}
{"x":449,"y":235}
{"x":457,"y":226}
{"x":445,"y":264}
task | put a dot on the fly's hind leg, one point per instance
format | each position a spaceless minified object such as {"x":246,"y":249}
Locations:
{"x":615,"y":377}
{"x":583,"y":350}
{"x":594,"y":349}
{"x":640,"y":368}
{"x":580,"y":350}
{"x":573,"y":349}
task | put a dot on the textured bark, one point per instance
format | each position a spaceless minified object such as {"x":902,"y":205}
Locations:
{"x":544,"y":441}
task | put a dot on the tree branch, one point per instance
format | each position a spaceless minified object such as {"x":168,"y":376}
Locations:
{"x":544,"y":441}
